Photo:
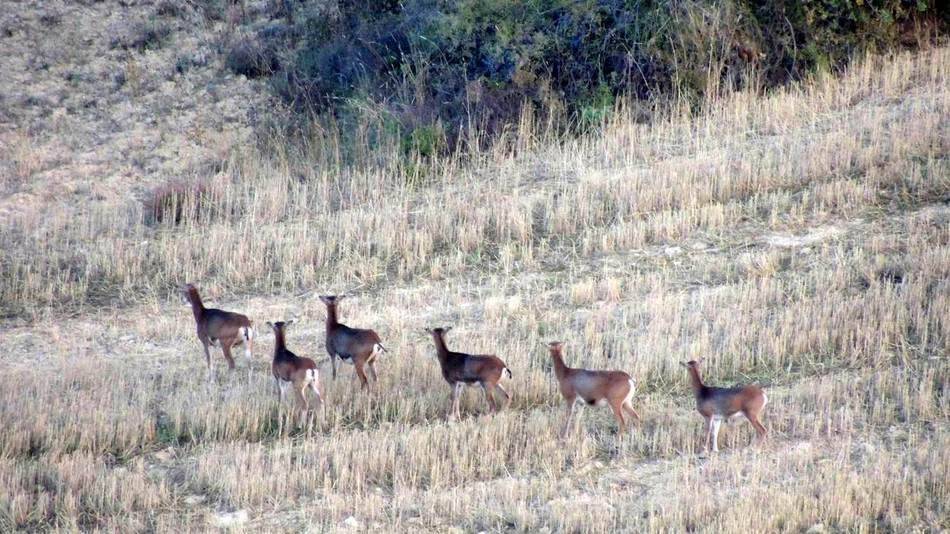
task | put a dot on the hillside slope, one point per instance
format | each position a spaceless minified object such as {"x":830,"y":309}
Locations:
{"x":800,"y":240}
{"x":102,"y":101}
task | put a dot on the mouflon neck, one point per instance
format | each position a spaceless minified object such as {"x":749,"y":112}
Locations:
{"x":331,"y":315}
{"x":197,"y":307}
{"x":440,"y":347}
{"x":695,"y":380}
{"x":280,"y":340}
{"x":560,"y":368}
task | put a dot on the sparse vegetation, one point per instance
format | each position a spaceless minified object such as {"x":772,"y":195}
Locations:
{"x":798,"y":239}
{"x":143,"y":35}
{"x":23,"y":158}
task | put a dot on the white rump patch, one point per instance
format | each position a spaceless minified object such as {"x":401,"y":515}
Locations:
{"x":765,"y":399}
{"x":630,"y":394}
{"x":248,"y":335}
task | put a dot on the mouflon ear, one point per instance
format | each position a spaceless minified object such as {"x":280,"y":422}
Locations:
{"x":270,"y":324}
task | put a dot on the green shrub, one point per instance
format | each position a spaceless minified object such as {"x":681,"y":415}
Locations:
{"x":170,"y":8}
{"x":143,"y":35}
{"x":595,"y":109}
{"x":252,"y":58}
{"x":425,"y":141}
{"x":480,"y":61}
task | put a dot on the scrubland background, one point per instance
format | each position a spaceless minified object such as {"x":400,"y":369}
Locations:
{"x":795,"y":234}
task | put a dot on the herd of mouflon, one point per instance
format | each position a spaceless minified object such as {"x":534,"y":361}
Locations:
{"x":363,"y":347}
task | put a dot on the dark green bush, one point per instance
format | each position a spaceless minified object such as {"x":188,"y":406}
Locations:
{"x":170,"y":8}
{"x":425,"y":141}
{"x":252,"y":58}
{"x":51,"y":19}
{"x":211,"y":9}
{"x":480,"y":61}
{"x":143,"y":35}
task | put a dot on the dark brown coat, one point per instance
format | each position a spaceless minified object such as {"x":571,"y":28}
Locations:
{"x":361,"y":347}
{"x":717,"y":404}
{"x":460,"y":369}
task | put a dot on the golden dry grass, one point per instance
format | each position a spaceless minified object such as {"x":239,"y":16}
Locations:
{"x":800,"y":240}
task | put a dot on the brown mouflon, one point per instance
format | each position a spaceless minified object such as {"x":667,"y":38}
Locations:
{"x":595,"y":388}
{"x":219,"y":328}
{"x":718,"y":404}
{"x":289,"y":368}
{"x":460,"y":369}
{"x":358,"y":346}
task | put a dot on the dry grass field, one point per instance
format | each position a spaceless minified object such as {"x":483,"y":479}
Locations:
{"x":799,"y":240}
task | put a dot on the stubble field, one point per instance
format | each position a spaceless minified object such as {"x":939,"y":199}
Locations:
{"x":799,"y":240}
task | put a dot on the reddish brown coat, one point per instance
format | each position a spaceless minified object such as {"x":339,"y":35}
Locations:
{"x":219,"y":328}
{"x":611,"y":388}
{"x":286,"y":366}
